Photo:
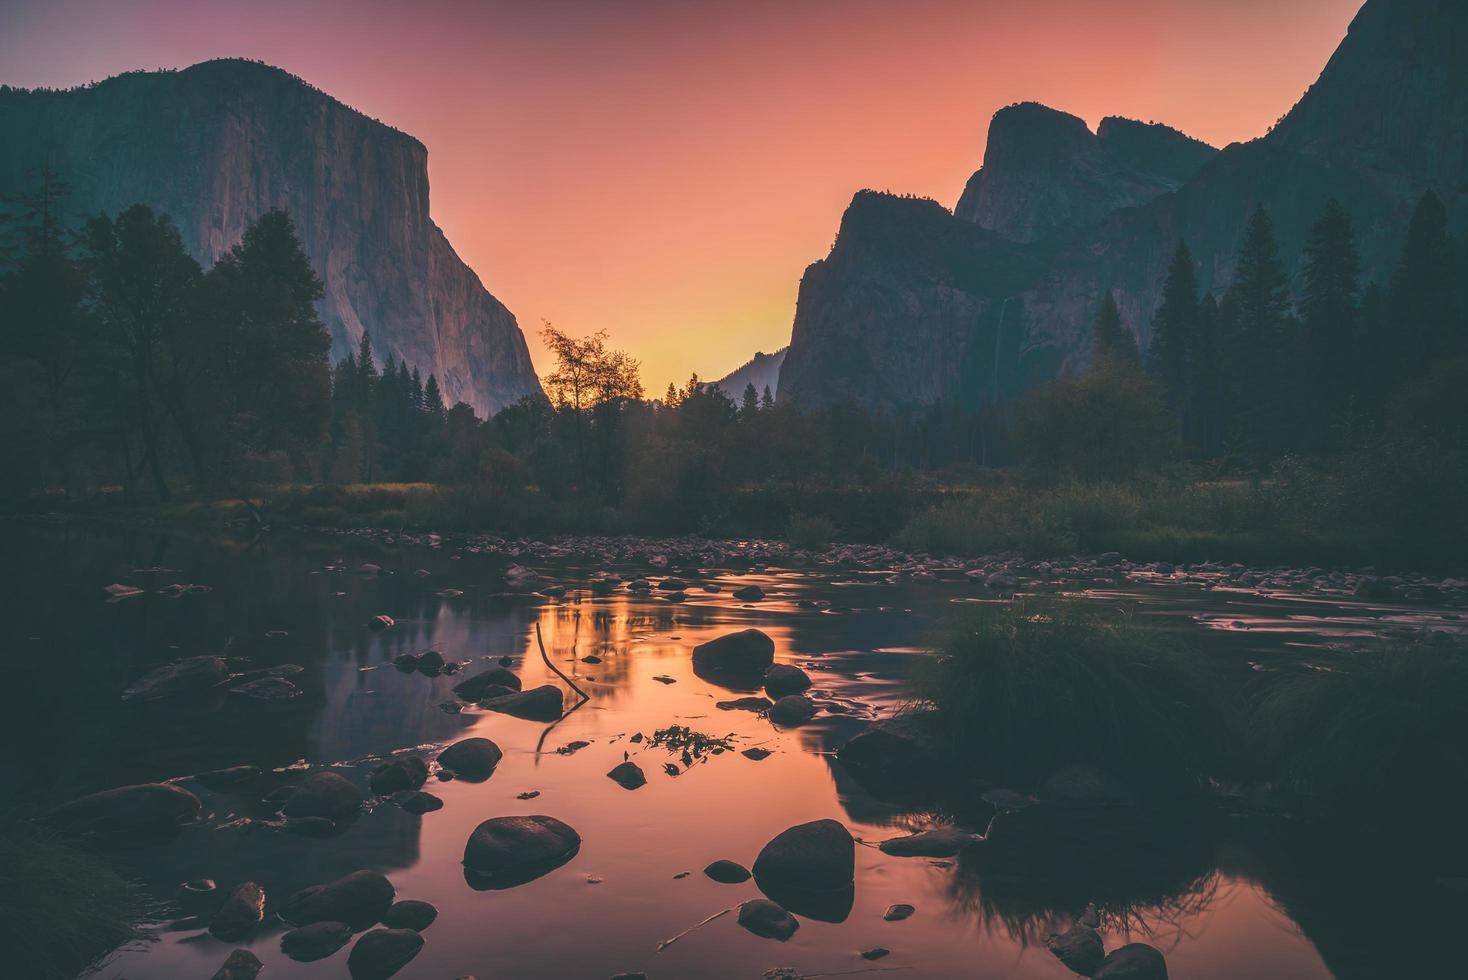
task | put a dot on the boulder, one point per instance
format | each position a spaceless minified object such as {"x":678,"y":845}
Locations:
{"x":903,"y":748}
{"x":241,"y":965}
{"x":324,"y":794}
{"x":628,"y":776}
{"x":818,"y":855}
{"x":408,"y":772}
{"x":1134,"y":961}
{"x":474,"y":688}
{"x":187,"y":676}
{"x":316,"y":941}
{"x":472,"y":759}
{"x":417,"y":801}
{"x":382,"y":952}
{"x":381,"y":622}
{"x":359,"y":899}
{"x":748,"y":593}
{"x":506,"y":851}
{"x":430,"y":660}
{"x":745,"y":652}
{"x":544,"y":703}
{"x":938,"y":842}
{"x":410,"y":915}
{"x":241,"y":912}
{"x":1079,"y":948}
{"x":793,"y":709}
{"x":783,"y":679}
{"x":144,"y":812}
{"x":727,"y":872}
{"x":767,"y":920}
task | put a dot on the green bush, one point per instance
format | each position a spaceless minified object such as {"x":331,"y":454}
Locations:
{"x":1028,"y":687}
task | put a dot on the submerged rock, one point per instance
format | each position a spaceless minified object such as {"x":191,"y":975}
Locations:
{"x":381,"y":622}
{"x":187,"y":676}
{"x":544,"y":703}
{"x":409,"y":772}
{"x":382,"y":952}
{"x":474,"y":688}
{"x":896,"y":913}
{"x":1134,"y":961}
{"x":783,"y":679}
{"x":359,"y":899}
{"x":416,"y":801}
{"x":628,"y":775}
{"x":748,"y":593}
{"x":901,"y":749}
{"x":506,"y":851}
{"x":316,"y":941}
{"x":241,"y":965}
{"x":471,"y":759}
{"x":938,"y":842}
{"x":1079,"y":948}
{"x":727,"y":872}
{"x":410,"y":914}
{"x":143,"y":812}
{"x":745,"y":652}
{"x":756,"y":704}
{"x":793,"y":709}
{"x":324,"y":794}
{"x":767,"y":920}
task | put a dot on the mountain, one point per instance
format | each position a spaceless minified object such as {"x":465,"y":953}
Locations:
{"x":217,"y":144}
{"x":762,"y":371}
{"x":1383,"y":124}
{"x":1046,"y":174}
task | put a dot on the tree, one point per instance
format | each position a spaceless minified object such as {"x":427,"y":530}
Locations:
{"x":749,"y":405}
{"x":1424,"y":303}
{"x":1175,"y":337}
{"x":1111,"y":342}
{"x":1330,"y":341}
{"x":1254,"y":340}
{"x":766,"y":400}
{"x":589,"y":376}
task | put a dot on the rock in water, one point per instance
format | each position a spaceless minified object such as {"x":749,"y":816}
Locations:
{"x":186,"y":676}
{"x":316,"y":941}
{"x":382,"y":952}
{"x":938,"y":842}
{"x":628,"y":775}
{"x":745,"y":652}
{"x":749,"y":593}
{"x":506,"y":851}
{"x":1134,"y":961}
{"x":409,"y":772}
{"x":727,"y":872}
{"x":896,"y":913}
{"x":1079,"y":948}
{"x":812,"y":856}
{"x":410,"y":915}
{"x":901,"y":749}
{"x":792,"y":710}
{"x":381,"y":622}
{"x":127,"y":814}
{"x":241,"y":965}
{"x":544,"y":703}
{"x":416,"y":801}
{"x":783,"y":680}
{"x":474,"y":688}
{"x":359,"y":899}
{"x":767,"y":920}
{"x":324,"y":794}
{"x":471,"y":759}
{"x":241,"y":912}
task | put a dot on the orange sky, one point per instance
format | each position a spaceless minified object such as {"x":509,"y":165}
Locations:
{"x":666,"y":170}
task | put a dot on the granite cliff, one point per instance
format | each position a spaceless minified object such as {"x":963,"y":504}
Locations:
{"x":217,"y":144}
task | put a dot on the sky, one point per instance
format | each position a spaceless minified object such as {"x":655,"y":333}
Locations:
{"x":666,"y":170}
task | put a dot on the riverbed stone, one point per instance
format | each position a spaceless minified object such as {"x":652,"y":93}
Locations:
{"x":128,"y":813}
{"x":324,"y":794}
{"x":938,"y":842}
{"x":316,"y":941}
{"x":727,"y":872}
{"x":903,"y":748}
{"x":471,"y":759}
{"x":784,"y":679}
{"x":359,"y":899}
{"x":1134,"y":961}
{"x":408,"y":772}
{"x":748,"y":593}
{"x":767,"y":920}
{"x":896,"y":913}
{"x":544,"y":703}
{"x":410,"y":914}
{"x":187,"y":676}
{"x":792,"y":710}
{"x":241,"y":912}
{"x":748,"y":651}
{"x":240,"y":965}
{"x":476,"y":687}
{"x":758,"y":705}
{"x":817,"y":855}
{"x":381,"y":953}
{"x":417,"y":801}
{"x":507,"y":851}
{"x":381,"y":622}
{"x":628,"y":775}
{"x":1079,"y":948}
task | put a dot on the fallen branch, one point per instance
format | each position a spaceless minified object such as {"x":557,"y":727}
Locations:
{"x":559,"y":673}
{"x":668,"y":942}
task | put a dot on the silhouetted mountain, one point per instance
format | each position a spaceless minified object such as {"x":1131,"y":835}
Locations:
{"x":762,"y":371}
{"x":217,"y":144}
{"x":1383,"y":124}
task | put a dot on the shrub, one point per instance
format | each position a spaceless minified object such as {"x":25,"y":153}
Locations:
{"x":1028,"y":687}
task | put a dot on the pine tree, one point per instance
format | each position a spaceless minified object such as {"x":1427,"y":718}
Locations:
{"x":750,"y":403}
{"x":1330,"y":340}
{"x":1423,"y":293}
{"x":1256,"y":347}
{"x":766,"y":400}
{"x":1111,"y":342}
{"x":1174,"y":337}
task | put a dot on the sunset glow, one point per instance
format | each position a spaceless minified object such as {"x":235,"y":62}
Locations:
{"x":666,"y":170}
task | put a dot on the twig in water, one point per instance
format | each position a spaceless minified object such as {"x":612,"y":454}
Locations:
{"x":668,"y":942}
{"x":562,"y":676}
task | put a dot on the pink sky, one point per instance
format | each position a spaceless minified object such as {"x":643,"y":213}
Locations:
{"x":666,"y":170}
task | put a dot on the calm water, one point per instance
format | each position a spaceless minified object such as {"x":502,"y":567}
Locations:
{"x":1222,"y":904}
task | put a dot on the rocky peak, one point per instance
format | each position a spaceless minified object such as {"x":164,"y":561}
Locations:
{"x":1046,"y":175}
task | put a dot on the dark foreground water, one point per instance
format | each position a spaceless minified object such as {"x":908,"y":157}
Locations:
{"x":1220,"y":902}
